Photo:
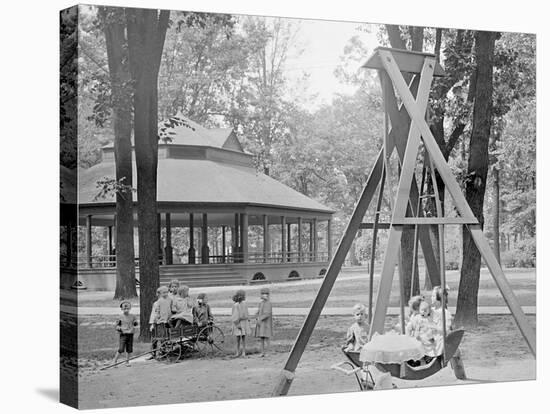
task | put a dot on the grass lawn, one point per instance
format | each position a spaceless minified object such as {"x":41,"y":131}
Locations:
{"x":351,"y":287}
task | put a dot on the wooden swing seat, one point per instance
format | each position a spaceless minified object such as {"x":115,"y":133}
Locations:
{"x":408,"y":372}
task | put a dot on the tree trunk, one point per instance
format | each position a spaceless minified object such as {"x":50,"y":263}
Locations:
{"x":117,"y":55}
{"x":146,"y":34}
{"x":478,"y":163}
{"x":496,"y":214}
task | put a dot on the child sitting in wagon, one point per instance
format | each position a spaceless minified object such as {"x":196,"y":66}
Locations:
{"x":358,"y":332}
{"x":202,"y":315}
{"x":182,"y":307}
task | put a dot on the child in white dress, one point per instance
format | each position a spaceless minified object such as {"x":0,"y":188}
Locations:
{"x":423,"y":328}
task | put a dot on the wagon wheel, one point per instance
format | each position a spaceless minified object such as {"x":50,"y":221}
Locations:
{"x":163,"y":350}
{"x":210,"y":341}
{"x":175,"y":352}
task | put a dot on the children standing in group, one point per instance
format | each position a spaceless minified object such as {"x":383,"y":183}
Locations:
{"x":125,"y":327}
{"x":264,"y":320}
{"x":358,"y":332}
{"x":241,"y":325}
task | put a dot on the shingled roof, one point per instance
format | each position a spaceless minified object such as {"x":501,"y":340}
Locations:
{"x":203,"y":165}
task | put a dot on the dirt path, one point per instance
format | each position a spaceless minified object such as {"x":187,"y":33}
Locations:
{"x":196,"y":380}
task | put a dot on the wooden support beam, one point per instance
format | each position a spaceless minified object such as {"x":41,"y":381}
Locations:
{"x":334,"y":267}
{"x":397,"y":132}
{"x":402,"y":198}
{"x":460,"y":201}
{"x":426,"y":221}
{"x":379,"y":226}
{"x":505,"y":289}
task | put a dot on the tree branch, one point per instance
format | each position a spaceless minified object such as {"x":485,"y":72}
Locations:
{"x":453,"y":139}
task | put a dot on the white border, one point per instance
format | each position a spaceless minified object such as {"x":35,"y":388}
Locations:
{"x":29,"y":168}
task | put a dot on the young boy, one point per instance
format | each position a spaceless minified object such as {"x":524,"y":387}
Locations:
{"x":202,"y":316}
{"x":160,"y":315}
{"x":125,"y":326}
{"x":358,"y":333}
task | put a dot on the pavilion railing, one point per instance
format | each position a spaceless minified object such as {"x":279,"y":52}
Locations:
{"x":109,"y":261}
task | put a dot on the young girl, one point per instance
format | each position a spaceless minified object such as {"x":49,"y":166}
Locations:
{"x":264,"y":320}
{"x":414,"y":307}
{"x":239,"y":316}
{"x":437,"y":313}
{"x":422,"y":327}
{"x":358,"y":333}
{"x":182,"y":306}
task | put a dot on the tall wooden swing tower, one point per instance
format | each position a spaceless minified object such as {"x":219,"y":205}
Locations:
{"x":394,"y":65}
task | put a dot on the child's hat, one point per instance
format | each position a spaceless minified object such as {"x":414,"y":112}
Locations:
{"x":125,"y":301}
{"x":264,"y":291}
{"x":201,"y":295}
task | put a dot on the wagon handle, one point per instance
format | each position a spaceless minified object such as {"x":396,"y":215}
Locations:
{"x":339,"y":367}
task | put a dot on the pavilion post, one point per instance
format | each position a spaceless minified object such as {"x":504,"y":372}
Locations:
{"x":283,"y":239}
{"x":110,"y":241}
{"x":300,"y":258}
{"x":223,"y":244}
{"x":69,"y":240}
{"x":89,"y":240}
{"x":288,"y":239}
{"x":329,"y":238}
{"x":205,"y":250}
{"x":266,"y":237}
{"x":236,"y":248}
{"x":191,"y":251}
{"x":159,"y":225}
{"x":315,"y":246}
{"x":244,"y":236}
{"x":168,"y":254}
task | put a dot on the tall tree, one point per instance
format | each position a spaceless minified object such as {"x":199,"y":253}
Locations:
{"x":146,"y":31}
{"x":114,"y":28}
{"x":476,"y":180}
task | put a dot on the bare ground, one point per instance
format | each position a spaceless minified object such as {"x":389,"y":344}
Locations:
{"x":495,"y":351}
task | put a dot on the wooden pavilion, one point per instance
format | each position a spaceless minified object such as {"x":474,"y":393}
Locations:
{"x":207,"y":184}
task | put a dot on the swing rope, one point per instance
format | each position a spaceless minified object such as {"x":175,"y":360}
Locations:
{"x":438,"y":207}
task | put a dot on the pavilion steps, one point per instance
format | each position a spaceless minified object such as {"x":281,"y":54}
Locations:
{"x":201,"y":275}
